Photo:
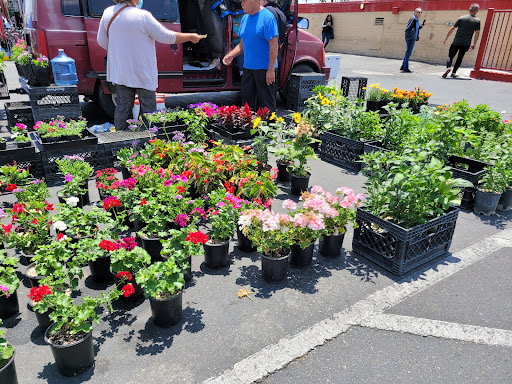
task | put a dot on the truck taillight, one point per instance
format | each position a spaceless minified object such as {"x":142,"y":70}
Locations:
{"x":42,"y":46}
{"x":323,"y":50}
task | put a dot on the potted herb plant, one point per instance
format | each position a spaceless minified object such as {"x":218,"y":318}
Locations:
{"x":163,"y":283}
{"x":7,"y":367}
{"x":9,"y":284}
{"x":490,"y":188}
{"x":269,"y":232}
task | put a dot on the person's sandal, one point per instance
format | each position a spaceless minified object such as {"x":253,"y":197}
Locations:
{"x":446,"y":73}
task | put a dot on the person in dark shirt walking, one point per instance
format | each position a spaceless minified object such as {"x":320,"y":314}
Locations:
{"x":411,"y":36}
{"x":466,"y":26}
{"x":327,"y":30}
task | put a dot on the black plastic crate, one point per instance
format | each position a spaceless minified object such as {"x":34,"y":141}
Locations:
{"x":19,"y":112}
{"x":354,"y":87}
{"x":50,"y":102}
{"x":400,"y":250}
{"x":234,"y":136}
{"x":341,"y":151}
{"x":470,"y":170}
{"x":297,"y":101}
{"x":24,"y":158}
{"x":112,"y":142}
{"x":217,"y":137}
{"x":304,"y":83}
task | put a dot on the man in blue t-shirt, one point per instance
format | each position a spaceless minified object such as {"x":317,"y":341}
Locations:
{"x":258,"y":43}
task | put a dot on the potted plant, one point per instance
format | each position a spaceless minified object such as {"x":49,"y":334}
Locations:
{"x":490,"y":188}
{"x":374,"y":97}
{"x":78,"y":224}
{"x":279,"y":135}
{"x":410,"y":213}
{"x":88,"y":251}
{"x":11,"y":177}
{"x":181,"y":245}
{"x":269,"y":232}
{"x":106,"y":182}
{"x":300,"y":150}
{"x":43,"y":310}
{"x":39,"y":74}
{"x":126,"y":262}
{"x":70,"y":336}
{"x":3,"y":143}
{"x":163,"y":284}
{"x":76,"y":174}
{"x":222,"y":218}
{"x":7,"y":367}
{"x":23,"y":61}
{"x":35,"y":190}
{"x":9,"y":284}
{"x":21,"y":140}
{"x":337,"y":210}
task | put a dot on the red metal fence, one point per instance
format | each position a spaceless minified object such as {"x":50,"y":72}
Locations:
{"x":494,"y":59}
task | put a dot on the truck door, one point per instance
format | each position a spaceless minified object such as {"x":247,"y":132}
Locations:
{"x":169,"y":58}
{"x":289,"y":48}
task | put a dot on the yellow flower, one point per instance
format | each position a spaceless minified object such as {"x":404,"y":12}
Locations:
{"x":273,"y":116}
{"x":296,"y":116}
{"x":325,"y":101}
{"x":280,"y":120}
{"x":320,"y":95}
{"x":256,"y":122}
{"x":365,"y":87}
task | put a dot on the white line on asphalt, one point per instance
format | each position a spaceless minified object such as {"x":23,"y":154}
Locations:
{"x":436,"y":328}
{"x":276,"y":356}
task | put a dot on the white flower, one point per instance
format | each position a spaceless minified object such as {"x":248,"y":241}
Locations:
{"x":60,"y":226}
{"x":72,"y":201}
{"x":244,"y":221}
{"x":13,"y":136}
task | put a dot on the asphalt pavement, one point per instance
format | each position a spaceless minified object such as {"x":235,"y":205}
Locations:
{"x":343,"y":320}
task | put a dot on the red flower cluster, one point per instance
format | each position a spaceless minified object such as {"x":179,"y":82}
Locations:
{"x":111,"y":202}
{"x":108,"y":246}
{"x":143,"y":202}
{"x":197,"y":237}
{"x":18,"y":208}
{"x":124,"y":275}
{"x":7,"y":228}
{"x":127,"y":243}
{"x":10,"y":187}
{"x":181,"y":189}
{"x":37,"y":293}
{"x":128,"y":290}
{"x":49,"y":207}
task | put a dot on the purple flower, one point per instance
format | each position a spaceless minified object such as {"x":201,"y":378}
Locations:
{"x":196,"y":150}
{"x":220,"y":204}
{"x":181,"y":219}
{"x":1,"y":213}
{"x":68,"y":178}
{"x":153,"y":129}
{"x":133,"y":122}
{"x":38,"y":181}
{"x":134,"y":144}
{"x":178,"y":137}
{"x":167,"y":183}
{"x":19,"y":190}
{"x":74,"y":157}
{"x":178,"y":197}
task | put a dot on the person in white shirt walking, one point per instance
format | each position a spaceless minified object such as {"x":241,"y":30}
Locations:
{"x":129,"y":33}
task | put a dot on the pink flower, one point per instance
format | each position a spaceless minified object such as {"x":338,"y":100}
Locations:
{"x":220,"y":204}
{"x":289,"y":204}
{"x":345,"y":191}
{"x":360,"y":199}
{"x":167,"y":183}
{"x":284,"y":218}
{"x":316,"y":189}
{"x":345,"y":203}
{"x":316,"y":222}
{"x":331,"y":212}
{"x":331,"y":198}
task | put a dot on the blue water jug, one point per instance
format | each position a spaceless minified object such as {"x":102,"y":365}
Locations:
{"x":64,"y":70}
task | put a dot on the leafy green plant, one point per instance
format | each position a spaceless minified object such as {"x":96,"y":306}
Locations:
{"x":300,"y":149}
{"x":133,"y":260}
{"x":6,"y":350}
{"x":411,"y":188}
{"x":161,"y":280}
{"x":80,"y":223}
{"x":9,"y":281}
{"x":496,"y":178}
{"x":11,"y":174}
{"x":35,"y":190}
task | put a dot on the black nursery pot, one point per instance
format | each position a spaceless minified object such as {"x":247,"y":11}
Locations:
{"x":139,"y":291}
{"x":244,"y":244}
{"x":330,"y":246}
{"x":153,"y":247}
{"x":125,"y":173}
{"x":43,"y":319}
{"x":9,"y":306}
{"x":24,"y":144}
{"x":282,"y":172}
{"x":167,"y":313}
{"x":100,"y":270}
{"x":38,"y":76}
{"x":216,"y":255}
{"x":299,"y":184}
{"x":3,"y":145}
{"x":301,"y":258}
{"x":72,"y":359}
{"x":274,"y":269}
{"x":187,"y":275}
{"x":34,"y":280}
{"x":8,"y":372}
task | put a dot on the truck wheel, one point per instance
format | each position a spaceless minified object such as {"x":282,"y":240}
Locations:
{"x":105,"y":101}
{"x":301,"y":68}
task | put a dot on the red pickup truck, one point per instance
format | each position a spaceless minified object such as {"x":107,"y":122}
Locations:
{"x":73,"y":24}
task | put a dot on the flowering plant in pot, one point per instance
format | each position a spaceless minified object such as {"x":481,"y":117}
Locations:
{"x":70,"y":336}
{"x":9,"y":284}
{"x":268,"y":231}
{"x":17,"y":49}
{"x":181,"y":245}
{"x":163,"y":283}
{"x":7,"y":367}
{"x":76,"y":223}
{"x":131,"y":259}
{"x":35,"y":190}
{"x":337,"y":210}
{"x":490,"y":188}
{"x":76,"y":173}
{"x":106,"y":181}
{"x":39,"y":75}
{"x":300,"y":150}
{"x":280,"y":134}
{"x":11,"y":177}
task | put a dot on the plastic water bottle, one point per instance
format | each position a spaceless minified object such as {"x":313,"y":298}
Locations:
{"x":64,"y":69}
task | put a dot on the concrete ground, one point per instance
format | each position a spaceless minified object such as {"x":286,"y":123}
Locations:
{"x":343,"y":320}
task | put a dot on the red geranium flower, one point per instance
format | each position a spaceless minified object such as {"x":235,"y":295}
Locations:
{"x":60,"y":236}
{"x":143,"y":202}
{"x":37,"y":293}
{"x":10,"y":187}
{"x":108,"y":246}
{"x":127,"y":243}
{"x":18,"y":208}
{"x":124,"y":275}
{"x":181,"y":189}
{"x":197,"y":237}
{"x":128,"y":290}
{"x":7,"y":228}
{"x":111,"y":202}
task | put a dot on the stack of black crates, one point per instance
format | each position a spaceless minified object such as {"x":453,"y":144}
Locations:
{"x":300,"y":88}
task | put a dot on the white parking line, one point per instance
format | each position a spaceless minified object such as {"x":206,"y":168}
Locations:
{"x":369,"y":311}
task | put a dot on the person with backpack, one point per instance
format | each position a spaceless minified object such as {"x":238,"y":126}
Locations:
{"x":129,"y":33}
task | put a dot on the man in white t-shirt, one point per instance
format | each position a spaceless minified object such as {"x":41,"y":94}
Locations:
{"x":131,"y":60}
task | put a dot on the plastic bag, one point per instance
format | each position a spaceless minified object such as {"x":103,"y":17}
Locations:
{"x":105,"y":127}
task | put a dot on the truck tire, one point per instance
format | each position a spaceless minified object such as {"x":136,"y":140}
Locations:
{"x":300,"y":68}
{"x":105,"y":102}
